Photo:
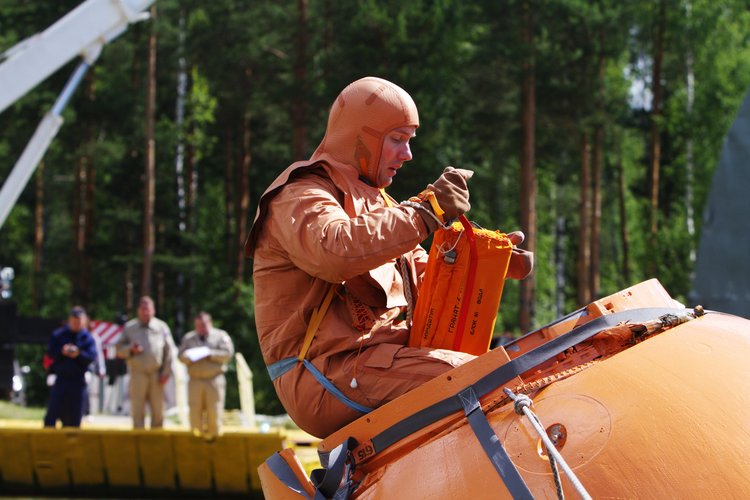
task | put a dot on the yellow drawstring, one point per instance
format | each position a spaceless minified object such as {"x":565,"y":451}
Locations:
{"x":315,"y":319}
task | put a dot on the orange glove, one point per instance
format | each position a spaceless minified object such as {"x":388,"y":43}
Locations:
{"x":521,"y":261}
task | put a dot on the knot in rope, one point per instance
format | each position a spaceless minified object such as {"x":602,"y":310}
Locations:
{"x":522,"y":401}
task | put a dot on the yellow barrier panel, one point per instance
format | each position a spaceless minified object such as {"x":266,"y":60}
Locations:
{"x":120,"y":459}
{"x":156,"y":458}
{"x":84,"y":452}
{"x":15,"y":458}
{"x":229,"y":459}
{"x":193,"y":462}
{"x":259,"y":448}
{"x":49,"y":451}
{"x":140,"y":461}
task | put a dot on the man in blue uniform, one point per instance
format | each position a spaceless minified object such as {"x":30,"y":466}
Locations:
{"x":72,"y":349}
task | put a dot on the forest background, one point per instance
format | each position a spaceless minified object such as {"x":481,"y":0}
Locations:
{"x":594,"y":126}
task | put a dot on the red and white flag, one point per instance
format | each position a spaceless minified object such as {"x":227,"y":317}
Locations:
{"x":108,"y":334}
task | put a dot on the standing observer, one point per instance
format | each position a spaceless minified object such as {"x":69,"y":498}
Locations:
{"x":145,"y":344}
{"x":71,"y":350}
{"x":206,"y":352}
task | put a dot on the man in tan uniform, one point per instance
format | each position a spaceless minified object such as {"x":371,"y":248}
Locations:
{"x":206,"y":352}
{"x":337,"y":258}
{"x":145,"y":344}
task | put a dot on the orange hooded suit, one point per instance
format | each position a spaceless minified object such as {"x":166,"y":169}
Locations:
{"x":322,"y":222}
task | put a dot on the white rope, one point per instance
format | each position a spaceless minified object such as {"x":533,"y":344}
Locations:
{"x":523,"y":407}
{"x":419,"y":206}
{"x":443,"y":250}
{"x":552,"y":462}
{"x":446,"y":226}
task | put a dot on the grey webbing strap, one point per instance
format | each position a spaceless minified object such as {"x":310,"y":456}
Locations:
{"x":282,"y":366}
{"x":328,"y":481}
{"x":492,"y":445}
{"x":281,"y":470}
{"x":508,"y":371}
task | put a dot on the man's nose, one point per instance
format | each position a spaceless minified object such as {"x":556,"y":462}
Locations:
{"x":405,"y":153}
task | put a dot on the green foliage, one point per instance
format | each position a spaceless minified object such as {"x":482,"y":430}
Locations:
{"x":37,"y":391}
{"x":462,"y":63}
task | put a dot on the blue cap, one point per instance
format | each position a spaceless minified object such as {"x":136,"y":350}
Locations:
{"x":77,"y":312}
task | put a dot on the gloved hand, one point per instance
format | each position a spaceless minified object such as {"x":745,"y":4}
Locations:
{"x":451,"y":192}
{"x":521,"y":261}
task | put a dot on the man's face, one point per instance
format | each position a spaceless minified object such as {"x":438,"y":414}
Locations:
{"x":76,"y":323}
{"x":202,"y":325}
{"x":146,"y":311}
{"x":396,"y":151}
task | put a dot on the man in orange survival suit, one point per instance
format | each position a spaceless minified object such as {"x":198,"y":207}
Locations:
{"x":326,"y":230}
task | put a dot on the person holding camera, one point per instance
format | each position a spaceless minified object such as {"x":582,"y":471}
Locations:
{"x":146,"y":345}
{"x":72,"y":349}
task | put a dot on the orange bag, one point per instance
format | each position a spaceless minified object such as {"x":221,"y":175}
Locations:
{"x":460,"y":295}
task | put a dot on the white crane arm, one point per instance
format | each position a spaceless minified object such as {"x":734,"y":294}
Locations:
{"x":81,"y":32}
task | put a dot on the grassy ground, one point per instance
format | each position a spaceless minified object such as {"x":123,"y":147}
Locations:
{"x":15,"y":412}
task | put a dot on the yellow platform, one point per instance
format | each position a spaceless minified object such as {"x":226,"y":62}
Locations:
{"x":117,"y":460}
